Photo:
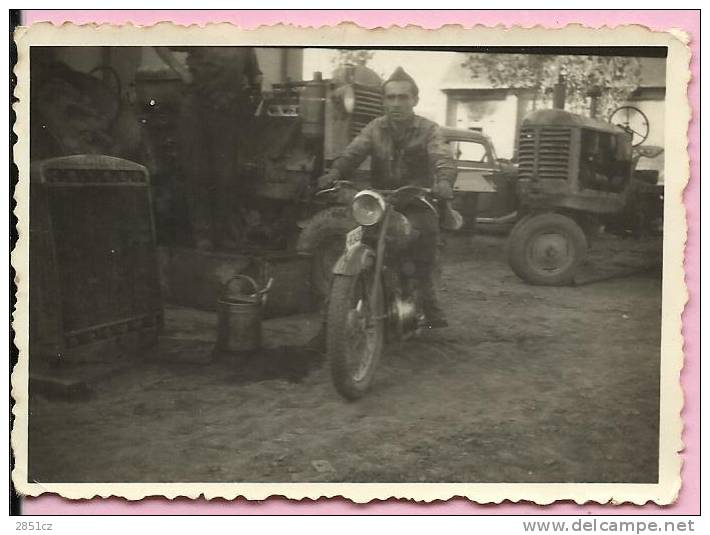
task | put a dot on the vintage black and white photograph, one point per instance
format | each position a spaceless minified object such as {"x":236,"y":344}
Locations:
{"x":348,"y":264}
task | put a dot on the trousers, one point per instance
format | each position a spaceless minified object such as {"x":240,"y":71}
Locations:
{"x":211,"y":144}
{"x":425,"y":250}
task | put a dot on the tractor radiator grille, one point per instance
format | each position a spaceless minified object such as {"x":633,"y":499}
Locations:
{"x":119,"y":177}
{"x":543,"y":152}
{"x":368,"y":106}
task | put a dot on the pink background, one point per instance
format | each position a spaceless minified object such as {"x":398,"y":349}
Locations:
{"x":689,"y":499}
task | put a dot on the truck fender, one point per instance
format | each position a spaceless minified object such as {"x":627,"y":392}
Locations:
{"x":354,"y":260}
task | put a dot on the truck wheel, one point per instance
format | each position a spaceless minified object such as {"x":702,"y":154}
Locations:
{"x":546,"y":249}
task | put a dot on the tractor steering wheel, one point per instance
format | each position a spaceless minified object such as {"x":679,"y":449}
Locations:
{"x":634,"y":121}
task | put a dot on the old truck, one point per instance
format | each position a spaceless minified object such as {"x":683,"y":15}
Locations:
{"x":485,"y":186}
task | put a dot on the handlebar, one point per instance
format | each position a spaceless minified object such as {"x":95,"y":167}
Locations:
{"x":340,"y":184}
{"x":337,"y":186}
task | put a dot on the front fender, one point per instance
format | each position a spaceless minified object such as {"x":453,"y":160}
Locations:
{"x":354,"y":260}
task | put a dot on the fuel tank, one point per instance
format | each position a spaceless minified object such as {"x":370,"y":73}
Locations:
{"x":400,"y":233}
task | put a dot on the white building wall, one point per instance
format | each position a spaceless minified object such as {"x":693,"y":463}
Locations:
{"x":655,"y":111}
{"x":496,"y":118}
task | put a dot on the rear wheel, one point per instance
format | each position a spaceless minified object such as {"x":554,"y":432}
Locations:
{"x":546,"y":249}
{"x":355,"y":334}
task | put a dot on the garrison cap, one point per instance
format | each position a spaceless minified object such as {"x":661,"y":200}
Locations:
{"x":400,"y":75}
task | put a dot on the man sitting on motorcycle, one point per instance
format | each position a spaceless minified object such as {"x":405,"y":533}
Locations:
{"x":406,"y":149}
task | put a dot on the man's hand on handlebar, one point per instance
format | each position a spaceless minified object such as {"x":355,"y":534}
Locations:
{"x":328,"y":179}
{"x":443,"y":190}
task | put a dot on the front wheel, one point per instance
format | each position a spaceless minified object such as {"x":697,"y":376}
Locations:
{"x":546,"y":249}
{"x":355,"y":334}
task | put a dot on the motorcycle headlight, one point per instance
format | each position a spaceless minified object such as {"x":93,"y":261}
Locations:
{"x":368,"y":207}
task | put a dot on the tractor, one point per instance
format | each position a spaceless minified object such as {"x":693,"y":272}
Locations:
{"x":300,"y":128}
{"x":575,"y":174}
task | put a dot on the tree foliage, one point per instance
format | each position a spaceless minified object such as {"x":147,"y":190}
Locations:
{"x":352,"y":57}
{"x":616,"y":77}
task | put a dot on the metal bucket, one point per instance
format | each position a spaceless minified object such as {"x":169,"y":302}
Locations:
{"x":239,"y":317}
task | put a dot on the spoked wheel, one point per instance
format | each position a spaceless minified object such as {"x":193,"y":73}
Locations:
{"x":546,"y":249}
{"x":355,"y":334}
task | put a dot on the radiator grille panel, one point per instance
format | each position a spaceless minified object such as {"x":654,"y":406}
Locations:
{"x":105,"y":254}
{"x":368,"y":106}
{"x":95,"y":176}
{"x":543,"y":152}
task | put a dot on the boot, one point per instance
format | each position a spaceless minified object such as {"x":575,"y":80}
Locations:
{"x":433,"y":312}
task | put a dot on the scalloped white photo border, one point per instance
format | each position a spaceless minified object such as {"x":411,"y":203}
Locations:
{"x":674,"y":292}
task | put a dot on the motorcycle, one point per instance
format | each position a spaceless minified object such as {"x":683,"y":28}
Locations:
{"x":373,"y":297}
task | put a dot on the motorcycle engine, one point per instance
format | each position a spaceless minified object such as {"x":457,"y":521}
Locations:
{"x":404,"y":316}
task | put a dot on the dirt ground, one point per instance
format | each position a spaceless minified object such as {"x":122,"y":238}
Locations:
{"x":528,"y":384}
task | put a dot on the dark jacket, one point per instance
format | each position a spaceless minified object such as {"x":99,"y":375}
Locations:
{"x":420,"y":156}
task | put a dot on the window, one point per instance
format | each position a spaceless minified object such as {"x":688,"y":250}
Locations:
{"x":469,"y":151}
{"x":604,"y":162}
